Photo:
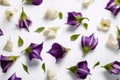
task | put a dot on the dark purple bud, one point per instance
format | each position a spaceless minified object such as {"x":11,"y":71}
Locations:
{"x":1,"y":32}
{"x":14,"y":77}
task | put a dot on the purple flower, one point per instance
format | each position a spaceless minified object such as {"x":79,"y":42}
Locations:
{"x":24,"y":22}
{"x":14,"y":77}
{"x":75,"y":18}
{"x":6,"y":62}
{"x":1,"y":32}
{"x":88,"y":43}
{"x":58,"y":51}
{"x":34,"y":51}
{"x":34,"y":2}
{"x":113,"y":6}
{"x":113,"y":68}
{"x":81,"y":70}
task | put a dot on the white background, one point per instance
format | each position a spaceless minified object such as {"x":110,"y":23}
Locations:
{"x":95,"y":12}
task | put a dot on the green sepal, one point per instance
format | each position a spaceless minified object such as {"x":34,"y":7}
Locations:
{"x":23,"y":15}
{"x":14,"y":58}
{"x":28,"y":50}
{"x":79,"y":19}
{"x":73,"y":69}
{"x":118,"y":31}
{"x":108,"y":67}
{"x":85,"y":51}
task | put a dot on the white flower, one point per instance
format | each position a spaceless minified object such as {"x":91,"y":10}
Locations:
{"x":51,"y":14}
{"x":5,"y":2}
{"x":51,"y":75}
{"x":51,"y":32}
{"x":86,"y":3}
{"x":8,"y":46}
{"x":104,"y":24}
{"x":112,"y":42}
{"x":9,"y":14}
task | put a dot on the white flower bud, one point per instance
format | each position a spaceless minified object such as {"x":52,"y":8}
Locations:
{"x":5,"y":2}
{"x":51,"y":14}
{"x":8,"y":46}
{"x":86,"y":3}
{"x":51,"y":75}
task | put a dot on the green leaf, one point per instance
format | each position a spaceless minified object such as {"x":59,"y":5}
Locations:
{"x":73,"y":69}
{"x":118,"y":31}
{"x":25,"y":68}
{"x":43,"y":67}
{"x":74,"y":37}
{"x":20,"y":41}
{"x":108,"y":67}
{"x":40,"y":29}
{"x":60,"y":15}
{"x":85,"y":26}
{"x":96,"y":64}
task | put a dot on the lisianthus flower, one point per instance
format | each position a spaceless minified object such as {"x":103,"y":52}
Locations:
{"x":113,"y":6}
{"x":14,"y":77}
{"x":104,"y":24}
{"x":88,"y":43}
{"x":1,"y":32}
{"x":7,"y":61}
{"x":80,"y":70}
{"x":24,"y":22}
{"x":113,"y":68}
{"x":34,"y":2}
{"x":34,"y":51}
{"x":58,"y":51}
{"x":75,"y":18}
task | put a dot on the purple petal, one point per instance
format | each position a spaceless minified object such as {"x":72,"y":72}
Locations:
{"x":37,"y":2}
{"x":57,"y":51}
{"x":36,"y":50}
{"x":14,"y":77}
{"x":1,"y":32}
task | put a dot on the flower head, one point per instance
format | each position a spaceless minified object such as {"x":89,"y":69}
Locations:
{"x":7,"y":61}
{"x":24,"y":22}
{"x":88,"y":43}
{"x":14,"y":77}
{"x":113,"y":68}
{"x":1,"y":32}
{"x":81,"y":70}
{"x":34,"y":51}
{"x":113,"y":6}
{"x":34,"y":2}
{"x":58,"y":51}
{"x":75,"y":19}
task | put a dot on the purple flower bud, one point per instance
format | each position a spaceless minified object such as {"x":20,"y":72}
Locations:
{"x":14,"y":77}
{"x":88,"y":43}
{"x":81,"y":70}
{"x":113,"y":6}
{"x":113,"y":68}
{"x":1,"y":32}
{"x":7,"y":61}
{"x":34,"y":51}
{"x":24,"y":22}
{"x":58,"y":51}
{"x":34,"y":2}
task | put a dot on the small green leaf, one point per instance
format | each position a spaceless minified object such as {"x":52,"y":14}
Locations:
{"x":60,"y":15}
{"x":118,"y":31}
{"x":96,"y":64}
{"x":74,"y":37}
{"x":20,"y":41}
{"x":85,"y":26}
{"x":25,"y":68}
{"x":40,"y":29}
{"x":43,"y":67}
{"x":73,"y":69}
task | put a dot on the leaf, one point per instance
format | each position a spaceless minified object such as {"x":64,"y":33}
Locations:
{"x":73,"y":69}
{"x":118,"y":31}
{"x":25,"y":68}
{"x":96,"y":64}
{"x":43,"y":67}
{"x":20,"y":41}
{"x":74,"y":37}
{"x":60,"y":15}
{"x":85,"y":26}
{"x":40,"y":29}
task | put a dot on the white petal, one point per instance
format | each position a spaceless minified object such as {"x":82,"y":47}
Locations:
{"x":51,"y":75}
{"x":5,"y":2}
{"x":86,"y":3}
{"x":8,"y":46}
{"x":51,"y":14}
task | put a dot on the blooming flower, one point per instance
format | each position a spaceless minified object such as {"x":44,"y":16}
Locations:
{"x":34,"y":51}
{"x":51,"y":32}
{"x":113,"y":6}
{"x":7,"y":61}
{"x":81,"y":70}
{"x":113,"y":68}
{"x":58,"y":51}
{"x":51,"y":14}
{"x":104,"y":24}
{"x":88,"y":43}
{"x":34,"y":2}
{"x":14,"y":77}
{"x":51,"y":75}
{"x":1,"y":32}
{"x":24,"y":22}
{"x":75,"y":18}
